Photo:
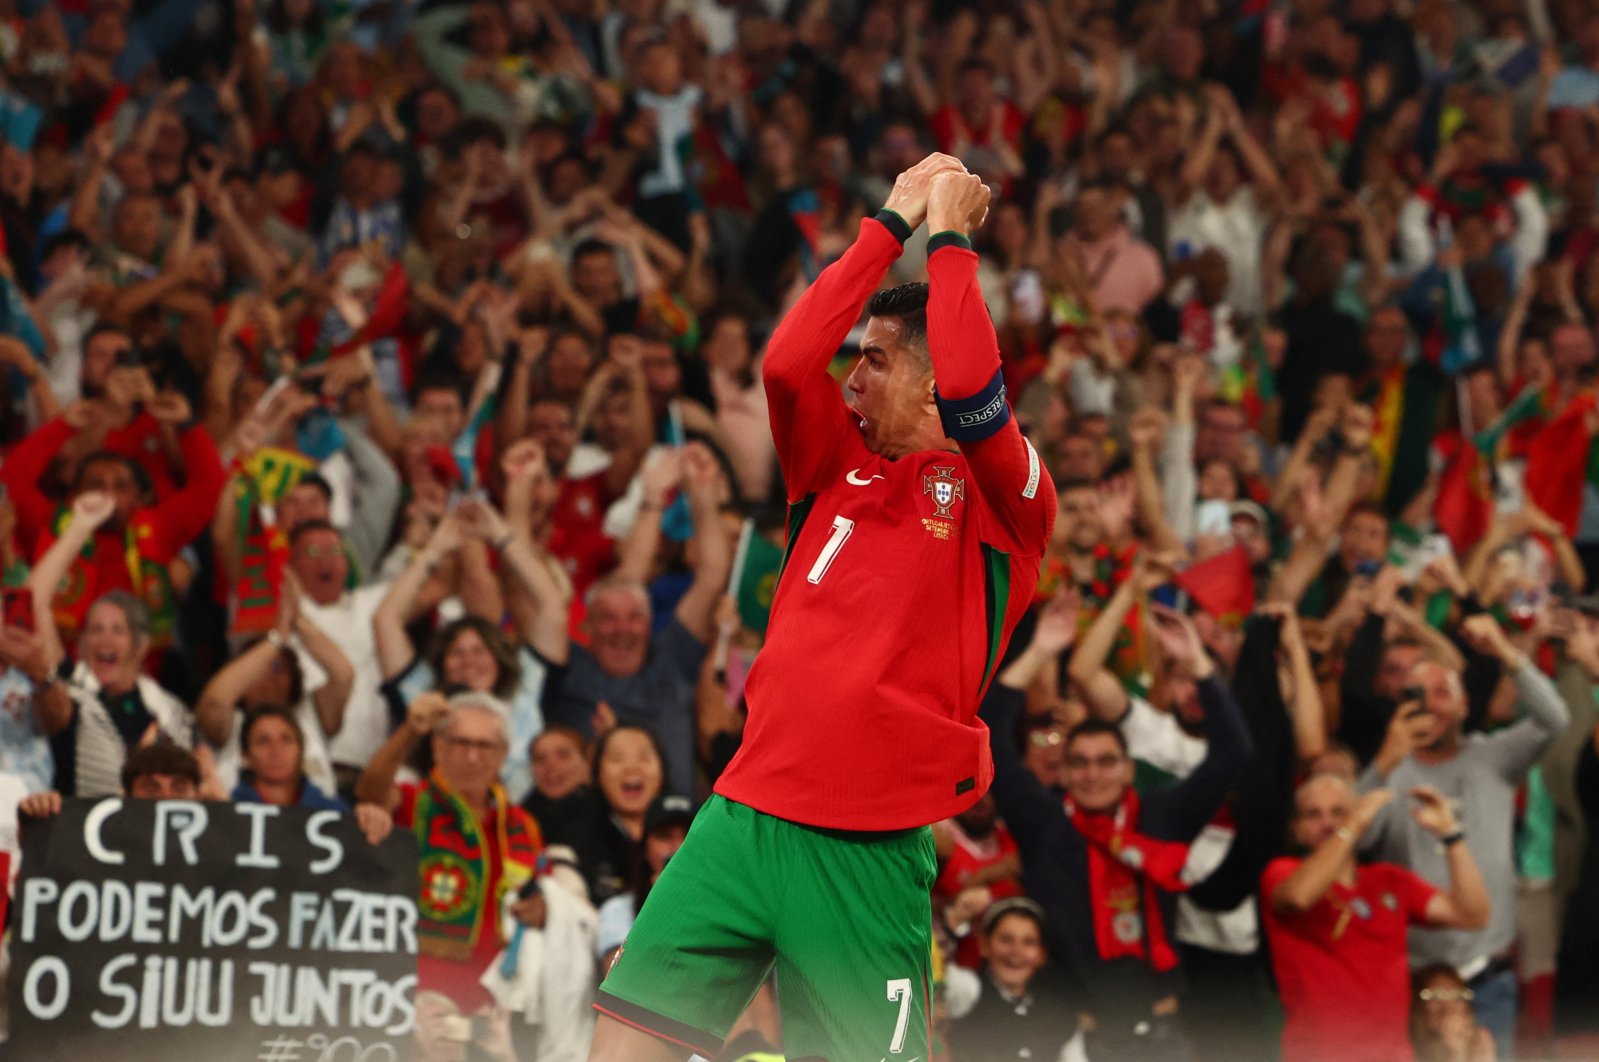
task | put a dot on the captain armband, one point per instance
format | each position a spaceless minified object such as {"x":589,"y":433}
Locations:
{"x":978,"y":417}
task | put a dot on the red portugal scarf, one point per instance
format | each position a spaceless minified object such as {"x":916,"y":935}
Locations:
{"x":1126,"y":873}
{"x":455,"y":864}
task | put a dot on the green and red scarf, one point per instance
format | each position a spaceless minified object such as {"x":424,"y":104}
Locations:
{"x":455,"y":863}
{"x":263,"y":479}
{"x":147,"y":577}
{"x":1127,"y":871}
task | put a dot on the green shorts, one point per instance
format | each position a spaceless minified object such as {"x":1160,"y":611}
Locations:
{"x":843,"y":916}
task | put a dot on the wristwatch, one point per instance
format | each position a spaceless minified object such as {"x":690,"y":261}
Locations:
{"x":1454,"y":837}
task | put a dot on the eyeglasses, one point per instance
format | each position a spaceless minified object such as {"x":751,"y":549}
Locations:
{"x":1105,"y":763}
{"x":461,"y":744}
{"x":1045,"y":739}
{"x":1447,"y":995}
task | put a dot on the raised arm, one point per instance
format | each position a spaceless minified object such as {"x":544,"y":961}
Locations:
{"x":1515,"y":748}
{"x":89,"y":510}
{"x":809,"y":417}
{"x":186,"y":512}
{"x":1324,"y":510}
{"x":1386,"y":602}
{"x":1053,"y":634}
{"x":635,"y":555}
{"x":1101,"y":690}
{"x":331,"y":698}
{"x":1179,"y":486}
{"x":510,"y":419}
{"x":1147,"y":431}
{"x":696,"y":611}
{"x":376,"y":784}
{"x":377,"y":492}
{"x":394,"y":648}
{"x":24,"y":468}
{"x":1305,"y":708}
{"x":538,"y":591}
{"x":1308,"y":883}
{"x":1189,"y":804}
{"x":970,"y":386}
{"x":213,"y":712}
{"x":1466,"y":905}
{"x":1568,"y":564}
{"x":1023,"y":802}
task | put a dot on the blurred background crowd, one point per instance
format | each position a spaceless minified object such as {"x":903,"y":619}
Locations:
{"x":382,"y":420}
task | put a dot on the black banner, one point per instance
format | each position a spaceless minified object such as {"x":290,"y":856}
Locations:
{"x":181,"y":931}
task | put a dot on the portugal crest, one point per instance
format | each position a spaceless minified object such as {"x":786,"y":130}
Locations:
{"x":942,"y":486}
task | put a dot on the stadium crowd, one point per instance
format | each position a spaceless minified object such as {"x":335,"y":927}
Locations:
{"x":383,"y":428}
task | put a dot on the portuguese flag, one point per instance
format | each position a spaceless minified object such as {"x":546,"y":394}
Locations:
{"x":755,"y":571}
{"x":1465,"y":503}
{"x":1223,"y":585}
{"x":1561,"y":460}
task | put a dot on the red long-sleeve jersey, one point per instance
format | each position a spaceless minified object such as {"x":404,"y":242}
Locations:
{"x":161,"y":530}
{"x":903,"y":578}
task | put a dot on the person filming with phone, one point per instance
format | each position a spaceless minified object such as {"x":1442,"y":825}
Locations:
{"x":1478,"y":774}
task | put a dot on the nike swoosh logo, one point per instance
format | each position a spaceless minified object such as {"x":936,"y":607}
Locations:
{"x":853,"y":477}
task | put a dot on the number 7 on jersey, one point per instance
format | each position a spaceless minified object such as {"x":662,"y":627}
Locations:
{"x":842,"y":526}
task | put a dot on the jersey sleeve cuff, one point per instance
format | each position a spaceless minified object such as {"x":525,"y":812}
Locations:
{"x":895,"y":224}
{"x":948,"y":238}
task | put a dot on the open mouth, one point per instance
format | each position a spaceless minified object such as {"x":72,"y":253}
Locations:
{"x":633,"y":789}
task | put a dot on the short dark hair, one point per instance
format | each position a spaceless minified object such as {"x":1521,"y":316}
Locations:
{"x":73,"y":238}
{"x":161,"y":758}
{"x":104,"y":328}
{"x":1090,"y":727}
{"x":605,"y":742}
{"x":1020,"y":906}
{"x":561,"y":730}
{"x":435,"y":380}
{"x":590,"y":246}
{"x":908,"y":304}
{"x":141,"y":478}
{"x":262,"y":712}
{"x":308,"y":526}
{"x":316,"y":481}
{"x":1370,"y":508}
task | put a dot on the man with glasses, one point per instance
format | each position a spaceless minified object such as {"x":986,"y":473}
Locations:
{"x":1338,"y":930}
{"x":1106,"y":863}
{"x":475,"y":847}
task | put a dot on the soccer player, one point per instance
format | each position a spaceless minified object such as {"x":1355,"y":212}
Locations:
{"x":918,"y":516}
